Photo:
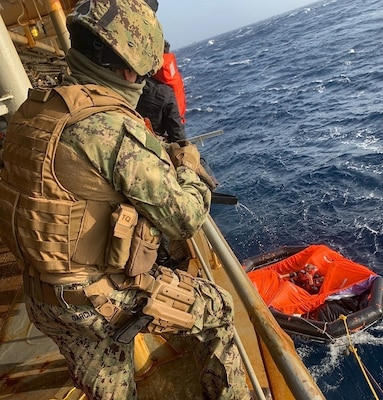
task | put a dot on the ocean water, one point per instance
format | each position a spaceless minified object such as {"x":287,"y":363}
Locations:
{"x":299,"y":98}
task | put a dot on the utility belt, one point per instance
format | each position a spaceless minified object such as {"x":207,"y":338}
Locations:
{"x":46,"y":293}
{"x":96,"y":294}
{"x":164,"y":309}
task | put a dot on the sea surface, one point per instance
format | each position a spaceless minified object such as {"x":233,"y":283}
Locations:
{"x":299,"y":98}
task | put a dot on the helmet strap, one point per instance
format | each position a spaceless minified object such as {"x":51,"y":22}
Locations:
{"x":97,"y":53}
{"x":110,"y":14}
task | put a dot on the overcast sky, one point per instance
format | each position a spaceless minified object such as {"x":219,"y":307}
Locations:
{"x":189,"y":21}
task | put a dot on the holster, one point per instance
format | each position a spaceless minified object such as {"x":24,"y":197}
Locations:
{"x":170,"y":300}
{"x":167,"y":309}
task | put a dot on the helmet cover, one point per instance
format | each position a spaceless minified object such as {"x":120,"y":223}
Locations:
{"x":129,"y":27}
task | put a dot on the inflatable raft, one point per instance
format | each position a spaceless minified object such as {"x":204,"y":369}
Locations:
{"x":316,"y":293}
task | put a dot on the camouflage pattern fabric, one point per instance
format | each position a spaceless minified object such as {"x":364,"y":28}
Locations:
{"x":138,"y":166}
{"x":104,"y":370}
{"x":176,"y":201}
{"x":130,"y":28}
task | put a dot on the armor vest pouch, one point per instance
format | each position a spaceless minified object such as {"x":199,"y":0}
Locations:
{"x":124,"y":221}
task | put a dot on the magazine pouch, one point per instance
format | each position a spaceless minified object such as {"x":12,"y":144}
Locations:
{"x":143,"y":252}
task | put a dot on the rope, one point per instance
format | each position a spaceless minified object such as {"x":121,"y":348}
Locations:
{"x":353,"y":350}
{"x":323,"y":331}
{"x":374,"y":380}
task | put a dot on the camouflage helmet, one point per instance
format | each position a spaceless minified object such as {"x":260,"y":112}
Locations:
{"x":129,"y":27}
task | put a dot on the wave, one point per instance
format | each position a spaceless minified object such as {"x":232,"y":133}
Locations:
{"x":299,"y":100}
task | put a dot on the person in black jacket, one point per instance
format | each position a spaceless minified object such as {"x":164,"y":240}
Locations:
{"x":158,"y":103}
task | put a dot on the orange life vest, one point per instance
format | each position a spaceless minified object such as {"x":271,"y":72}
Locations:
{"x":170,"y":75}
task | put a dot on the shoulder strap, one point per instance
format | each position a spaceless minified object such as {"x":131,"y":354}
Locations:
{"x":85,"y":100}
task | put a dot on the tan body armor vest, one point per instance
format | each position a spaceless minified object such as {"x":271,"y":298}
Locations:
{"x":50,"y":229}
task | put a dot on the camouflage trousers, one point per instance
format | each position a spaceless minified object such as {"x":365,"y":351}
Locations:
{"x":104,"y":369}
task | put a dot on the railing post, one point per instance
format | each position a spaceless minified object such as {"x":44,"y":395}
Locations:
{"x":279,"y":344}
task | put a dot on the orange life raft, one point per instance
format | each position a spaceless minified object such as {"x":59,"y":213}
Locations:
{"x":308,"y":288}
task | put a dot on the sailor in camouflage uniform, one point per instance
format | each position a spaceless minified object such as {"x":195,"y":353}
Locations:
{"x":86,"y":190}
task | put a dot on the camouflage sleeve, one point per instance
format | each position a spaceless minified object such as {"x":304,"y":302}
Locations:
{"x":177,"y":202}
{"x":138,"y":166}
